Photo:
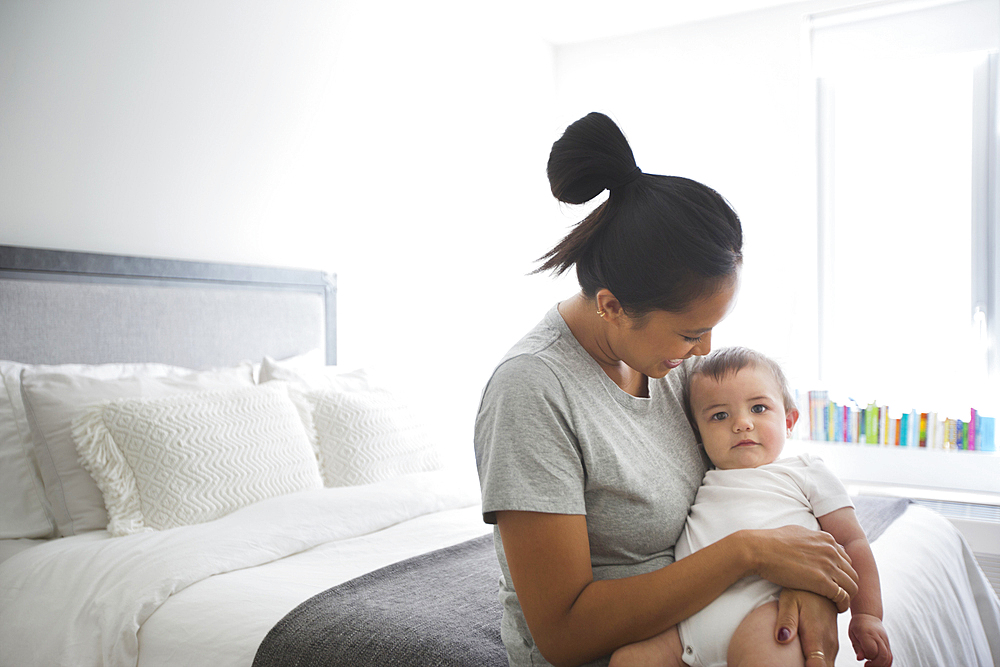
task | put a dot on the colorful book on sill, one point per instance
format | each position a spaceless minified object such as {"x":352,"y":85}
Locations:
{"x":972,"y":430}
{"x":832,"y":422}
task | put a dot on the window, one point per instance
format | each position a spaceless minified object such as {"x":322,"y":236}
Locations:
{"x":907,"y":192}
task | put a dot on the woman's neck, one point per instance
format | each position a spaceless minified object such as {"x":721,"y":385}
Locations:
{"x":592,"y":332}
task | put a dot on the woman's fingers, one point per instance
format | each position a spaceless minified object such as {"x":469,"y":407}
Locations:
{"x":843,"y":553}
{"x":818,"y":659}
{"x":814,"y":620}
{"x":788,"y":617}
{"x":809,"y":560}
{"x":844,"y":586}
{"x":842,"y":600}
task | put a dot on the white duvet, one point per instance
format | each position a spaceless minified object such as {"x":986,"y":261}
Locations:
{"x":82,"y":600}
{"x":208,"y":594}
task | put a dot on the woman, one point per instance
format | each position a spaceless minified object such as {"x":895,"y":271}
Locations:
{"x":587,"y":462}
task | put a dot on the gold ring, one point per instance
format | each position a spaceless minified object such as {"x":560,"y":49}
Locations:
{"x":816,"y":654}
{"x":840,"y":591}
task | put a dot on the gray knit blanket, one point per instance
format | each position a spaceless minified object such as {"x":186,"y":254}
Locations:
{"x":438,"y":609}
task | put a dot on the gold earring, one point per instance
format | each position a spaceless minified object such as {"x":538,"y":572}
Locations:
{"x":600,"y":313}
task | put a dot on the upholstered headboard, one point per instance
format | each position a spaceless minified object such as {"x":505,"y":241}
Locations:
{"x":74,"y":307}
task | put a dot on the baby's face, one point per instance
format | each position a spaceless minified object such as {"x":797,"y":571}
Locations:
{"x":741,"y":419}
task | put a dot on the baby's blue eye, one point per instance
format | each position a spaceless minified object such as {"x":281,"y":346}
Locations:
{"x":718,"y":416}
{"x":757,"y":409}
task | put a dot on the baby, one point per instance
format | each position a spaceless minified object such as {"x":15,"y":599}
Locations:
{"x":741,"y":409}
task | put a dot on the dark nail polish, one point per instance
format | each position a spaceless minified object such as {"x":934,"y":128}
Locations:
{"x":784,"y":634}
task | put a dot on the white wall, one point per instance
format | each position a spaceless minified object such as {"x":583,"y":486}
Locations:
{"x":401,"y":145}
{"x":725,"y":102}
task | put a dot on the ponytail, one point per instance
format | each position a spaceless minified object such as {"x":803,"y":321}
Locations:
{"x":657,"y":242}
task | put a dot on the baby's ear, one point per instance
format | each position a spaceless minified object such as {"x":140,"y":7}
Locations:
{"x":790,"y":418}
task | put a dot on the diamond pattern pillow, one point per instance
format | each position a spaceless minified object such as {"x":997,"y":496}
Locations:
{"x":180,"y":460}
{"x":54,"y":396}
{"x":368,"y":436}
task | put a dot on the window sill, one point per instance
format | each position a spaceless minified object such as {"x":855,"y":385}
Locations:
{"x":933,"y":474}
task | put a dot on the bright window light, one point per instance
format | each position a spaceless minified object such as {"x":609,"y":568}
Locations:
{"x":900,"y":325}
{"x":909,"y":239}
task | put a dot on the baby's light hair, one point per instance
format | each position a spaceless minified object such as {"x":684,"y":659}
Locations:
{"x":728,"y":361}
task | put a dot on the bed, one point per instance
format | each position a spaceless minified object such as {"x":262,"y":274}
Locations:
{"x":111,"y":557}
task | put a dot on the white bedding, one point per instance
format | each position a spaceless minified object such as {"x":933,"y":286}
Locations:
{"x":82,"y":600}
{"x":208,"y":594}
{"x":939,"y":609}
{"x":224,"y":618}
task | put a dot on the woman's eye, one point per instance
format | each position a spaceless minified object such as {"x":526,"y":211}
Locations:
{"x":718,"y":416}
{"x":758,"y":408}
{"x":693,"y":341}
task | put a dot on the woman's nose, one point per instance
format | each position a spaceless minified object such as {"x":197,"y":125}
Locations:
{"x":704,"y":346}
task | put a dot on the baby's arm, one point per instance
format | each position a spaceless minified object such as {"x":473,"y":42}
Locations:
{"x":866,"y":631}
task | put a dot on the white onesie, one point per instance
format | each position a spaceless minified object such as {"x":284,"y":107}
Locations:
{"x":792,"y":491}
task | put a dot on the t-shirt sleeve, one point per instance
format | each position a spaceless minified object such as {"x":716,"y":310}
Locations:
{"x":526,"y":452}
{"x":825,"y":491}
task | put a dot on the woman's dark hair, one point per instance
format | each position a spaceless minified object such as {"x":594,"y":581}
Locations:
{"x":657,"y":243}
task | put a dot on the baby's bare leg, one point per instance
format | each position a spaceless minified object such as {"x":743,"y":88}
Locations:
{"x":753,"y":643}
{"x":663,"y":650}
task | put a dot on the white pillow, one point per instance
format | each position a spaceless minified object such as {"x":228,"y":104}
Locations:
{"x":22,"y":497}
{"x":192,"y":458}
{"x":307,"y":372}
{"x":367,"y":436}
{"x":53,"y":399}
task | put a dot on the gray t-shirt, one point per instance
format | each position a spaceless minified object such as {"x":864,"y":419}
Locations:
{"x":555,"y":434}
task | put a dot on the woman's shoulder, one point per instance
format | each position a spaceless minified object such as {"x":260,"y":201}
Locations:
{"x":524,"y":371}
{"x":547,"y":367}
{"x":534,"y":343}
{"x":531,"y":356}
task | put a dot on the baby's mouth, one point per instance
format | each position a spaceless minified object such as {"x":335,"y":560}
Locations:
{"x":746,"y":443}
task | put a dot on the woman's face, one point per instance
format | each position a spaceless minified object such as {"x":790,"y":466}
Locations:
{"x":659,"y":341}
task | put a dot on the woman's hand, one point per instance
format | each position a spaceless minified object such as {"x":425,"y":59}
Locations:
{"x":814,"y":619}
{"x":809,"y":560}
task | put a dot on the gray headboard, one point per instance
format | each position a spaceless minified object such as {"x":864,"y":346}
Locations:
{"x":75,"y":307}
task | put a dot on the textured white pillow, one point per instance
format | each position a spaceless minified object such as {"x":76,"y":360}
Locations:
{"x":21,"y":494}
{"x":367,"y":436}
{"x":54,"y":397}
{"x":191,"y":458}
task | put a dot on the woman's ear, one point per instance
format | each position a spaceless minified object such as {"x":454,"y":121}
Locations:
{"x":608,"y":307}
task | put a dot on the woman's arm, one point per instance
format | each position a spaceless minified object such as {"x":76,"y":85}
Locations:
{"x":574,"y":619}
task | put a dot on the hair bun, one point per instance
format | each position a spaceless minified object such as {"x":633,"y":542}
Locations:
{"x":591,"y":156}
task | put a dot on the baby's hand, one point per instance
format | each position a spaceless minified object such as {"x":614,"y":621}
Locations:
{"x":869,"y":640}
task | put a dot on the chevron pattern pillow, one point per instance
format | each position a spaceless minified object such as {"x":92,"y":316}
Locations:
{"x":367,"y":436}
{"x":194,"y":457}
